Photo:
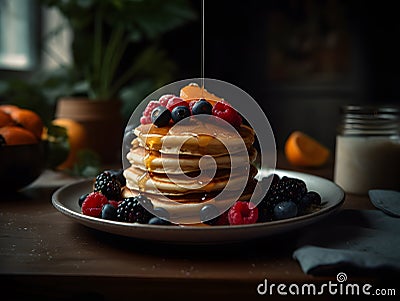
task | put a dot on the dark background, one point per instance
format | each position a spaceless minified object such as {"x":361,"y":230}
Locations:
{"x":300,"y":60}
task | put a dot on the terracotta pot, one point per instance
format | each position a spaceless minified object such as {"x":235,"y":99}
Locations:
{"x":102,"y":120}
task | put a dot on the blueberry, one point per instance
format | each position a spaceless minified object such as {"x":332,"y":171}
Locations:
{"x":202,"y":107}
{"x":208,"y":212}
{"x":179,"y":113}
{"x":285,"y":209}
{"x":160,"y":116}
{"x":158,"y":221}
{"x":109,"y":212}
{"x":82,"y":198}
{"x":161,"y":213}
{"x":308,"y":201}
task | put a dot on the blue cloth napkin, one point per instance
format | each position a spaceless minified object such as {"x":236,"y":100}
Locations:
{"x":386,"y":200}
{"x":351,"y":240}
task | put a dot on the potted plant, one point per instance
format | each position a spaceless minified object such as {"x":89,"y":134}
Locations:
{"x":115,"y":54}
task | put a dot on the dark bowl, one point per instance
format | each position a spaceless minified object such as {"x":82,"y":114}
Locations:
{"x":20,"y":165}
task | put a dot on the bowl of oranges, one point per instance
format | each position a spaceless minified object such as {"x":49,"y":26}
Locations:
{"x":22,"y":157}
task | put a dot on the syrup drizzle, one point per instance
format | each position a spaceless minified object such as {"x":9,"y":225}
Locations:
{"x":202,"y":48}
{"x":142,"y":181}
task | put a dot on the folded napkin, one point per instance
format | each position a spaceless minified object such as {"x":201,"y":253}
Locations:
{"x":351,"y":240}
{"x":386,"y":200}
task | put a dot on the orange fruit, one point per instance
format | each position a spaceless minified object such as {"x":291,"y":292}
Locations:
{"x":8,"y":108}
{"x":5,"y":119}
{"x":15,"y":135}
{"x":303,"y":150}
{"x":28,"y":120}
{"x":77,"y":138}
{"x":193,"y":91}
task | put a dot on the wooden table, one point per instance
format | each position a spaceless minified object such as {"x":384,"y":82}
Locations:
{"x":45,"y":254}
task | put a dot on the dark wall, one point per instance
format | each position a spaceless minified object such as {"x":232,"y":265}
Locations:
{"x":301,"y":60}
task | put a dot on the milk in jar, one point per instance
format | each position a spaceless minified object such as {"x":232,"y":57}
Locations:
{"x":367,"y":154}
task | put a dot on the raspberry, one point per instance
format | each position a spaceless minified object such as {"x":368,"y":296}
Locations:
{"x":145,"y":119}
{"x":191,"y":104}
{"x":150,"y":107}
{"x":220,"y":220}
{"x":114,"y":203}
{"x":93,"y":204}
{"x":175,"y":102}
{"x":224,"y":111}
{"x":164,"y":99}
{"x":242,"y":213}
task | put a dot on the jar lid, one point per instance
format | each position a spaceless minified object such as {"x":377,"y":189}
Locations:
{"x":370,"y":119}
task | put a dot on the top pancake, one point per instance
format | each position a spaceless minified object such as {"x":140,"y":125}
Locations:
{"x":195,"y":137}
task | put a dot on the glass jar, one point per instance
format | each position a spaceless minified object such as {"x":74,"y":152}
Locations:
{"x":367,"y":154}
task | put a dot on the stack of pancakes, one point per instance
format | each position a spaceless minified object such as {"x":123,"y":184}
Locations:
{"x":184,"y":165}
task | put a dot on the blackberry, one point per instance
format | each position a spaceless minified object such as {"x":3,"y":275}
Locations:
{"x":290,"y":189}
{"x":284,"y":189}
{"x":308,"y":202}
{"x":108,"y":185}
{"x":118,"y":174}
{"x":130,"y":210}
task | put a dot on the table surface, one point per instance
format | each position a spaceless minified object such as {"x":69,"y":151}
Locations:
{"x":43,"y":250}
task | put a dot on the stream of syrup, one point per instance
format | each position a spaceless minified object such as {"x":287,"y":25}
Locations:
{"x":202,"y":48}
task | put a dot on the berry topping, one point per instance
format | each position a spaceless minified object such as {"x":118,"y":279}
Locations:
{"x":191,"y":104}
{"x":165,"y":98}
{"x":221,"y":220}
{"x":179,"y":113}
{"x":145,"y":202}
{"x":284,"y":189}
{"x":146,"y":117}
{"x":226,"y":112}
{"x":309,"y":201}
{"x":285,"y":209}
{"x":114,"y":203}
{"x":175,"y":102}
{"x":93,"y":204}
{"x":158,"y":221}
{"x":161,"y":213}
{"x":82,"y":198}
{"x":108,"y":185}
{"x":160,"y":116}
{"x":242,"y":213}
{"x":202,"y":107}
{"x":208,"y":212}
{"x":118,"y":175}
{"x":109,"y":212}
{"x":130,"y":210}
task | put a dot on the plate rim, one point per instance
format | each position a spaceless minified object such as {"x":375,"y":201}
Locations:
{"x":86,"y":220}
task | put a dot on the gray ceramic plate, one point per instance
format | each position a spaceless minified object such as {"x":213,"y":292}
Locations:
{"x":65,"y":199}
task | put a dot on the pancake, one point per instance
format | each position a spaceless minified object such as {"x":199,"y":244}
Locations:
{"x":195,"y":137}
{"x":201,"y":160}
{"x":156,"y":162}
{"x":178,"y":185}
{"x":182,"y":208}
